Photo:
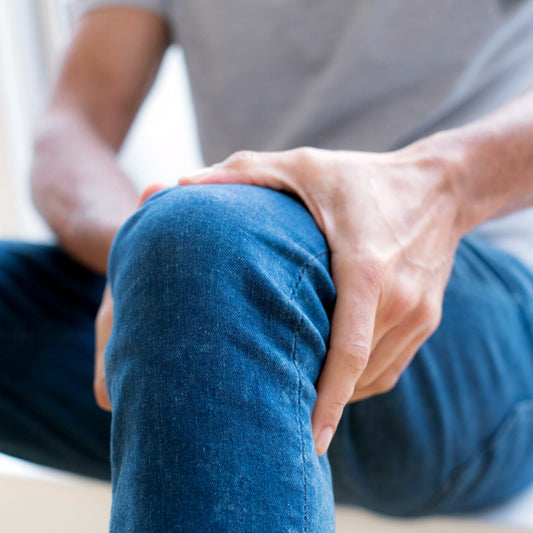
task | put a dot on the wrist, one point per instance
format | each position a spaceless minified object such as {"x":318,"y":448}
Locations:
{"x":435,"y":166}
{"x":467,"y":167}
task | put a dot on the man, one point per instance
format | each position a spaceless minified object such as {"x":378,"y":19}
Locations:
{"x":226,"y":385}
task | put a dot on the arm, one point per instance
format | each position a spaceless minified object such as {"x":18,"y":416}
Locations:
{"x":393,"y":222}
{"x":495,"y":154}
{"x":76,"y":182}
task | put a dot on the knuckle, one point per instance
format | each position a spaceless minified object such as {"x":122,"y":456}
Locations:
{"x":403,"y":302}
{"x":304,"y":154}
{"x":303,"y":163}
{"x":430,"y":313}
{"x":241,"y":158}
{"x":426,"y":309}
{"x":334,"y":409}
{"x":355,"y":356}
{"x":422,"y":314}
{"x":435,"y":319}
{"x":406,"y":299}
{"x":373,"y":271}
{"x":386,"y":383}
{"x":336,"y":405}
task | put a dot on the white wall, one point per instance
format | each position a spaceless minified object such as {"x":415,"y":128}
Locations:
{"x":163,"y":142}
{"x":161,"y":145}
{"x":21,"y":81}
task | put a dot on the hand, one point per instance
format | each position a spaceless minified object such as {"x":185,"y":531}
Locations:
{"x":390,"y":222}
{"x":104,"y":325}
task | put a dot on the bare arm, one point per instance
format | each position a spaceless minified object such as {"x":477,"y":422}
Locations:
{"x":76,"y":182}
{"x":495,"y":154}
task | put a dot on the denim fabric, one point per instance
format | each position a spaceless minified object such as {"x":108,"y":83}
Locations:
{"x":222,"y":304}
{"x":223,"y":299}
{"x":47,"y":410}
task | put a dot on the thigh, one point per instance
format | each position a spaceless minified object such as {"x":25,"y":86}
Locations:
{"x":456,"y":433}
{"x":47,"y":411}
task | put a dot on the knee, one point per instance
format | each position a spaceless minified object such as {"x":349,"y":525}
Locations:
{"x":201,"y":273}
{"x":209,"y":230}
{"x":192,"y":226}
{"x":178,"y":225}
{"x":218,"y":254}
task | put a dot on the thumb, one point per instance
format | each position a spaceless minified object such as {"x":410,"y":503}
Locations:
{"x":264,"y":169}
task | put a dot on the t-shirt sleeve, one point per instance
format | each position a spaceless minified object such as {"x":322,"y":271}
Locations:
{"x":160,"y":7}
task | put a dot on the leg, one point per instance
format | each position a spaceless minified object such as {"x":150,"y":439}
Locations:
{"x":456,"y":433}
{"x":47,"y":411}
{"x":222,"y":301}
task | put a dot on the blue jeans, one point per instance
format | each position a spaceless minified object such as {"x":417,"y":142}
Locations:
{"x":222,"y":304}
{"x":47,"y":410}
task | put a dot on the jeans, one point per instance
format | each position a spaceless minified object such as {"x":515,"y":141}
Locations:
{"x":223,"y":299}
{"x":47,"y":410}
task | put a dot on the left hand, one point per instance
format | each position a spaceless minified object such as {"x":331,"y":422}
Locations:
{"x":104,"y":325}
{"x":391,"y":224}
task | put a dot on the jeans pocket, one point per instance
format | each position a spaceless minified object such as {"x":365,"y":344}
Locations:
{"x":501,"y":467}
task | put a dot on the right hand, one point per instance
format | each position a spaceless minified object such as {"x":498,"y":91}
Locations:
{"x":390,"y":222}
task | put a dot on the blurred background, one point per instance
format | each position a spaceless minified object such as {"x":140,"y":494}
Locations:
{"x":161,"y":146}
{"x":33,"y":35}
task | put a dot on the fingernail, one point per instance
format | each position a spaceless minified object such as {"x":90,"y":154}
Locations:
{"x":323,"y":440}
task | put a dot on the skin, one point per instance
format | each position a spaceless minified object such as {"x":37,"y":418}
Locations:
{"x":392,"y":220}
{"x":76,"y":182}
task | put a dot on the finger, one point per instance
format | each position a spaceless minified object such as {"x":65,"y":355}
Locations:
{"x":351,"y":337}
{"x":264,"y":169}
{"x":416,"y":328}
{"x":149,"y":191}
{"x":385,"y":352}
{"x":100,"y":392}
{"x":387,"y":380}
{"x":103,"y":324}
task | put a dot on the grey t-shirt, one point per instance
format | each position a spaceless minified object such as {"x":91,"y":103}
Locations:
{"x":349,"y":74}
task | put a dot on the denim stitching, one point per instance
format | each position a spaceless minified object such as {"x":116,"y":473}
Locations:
{"x":160,"y":455}
{"x":300,"y":427}
{"x":292,"y":294}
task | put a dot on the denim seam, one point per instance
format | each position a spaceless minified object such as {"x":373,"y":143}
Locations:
{"x":292,"y":294}
{"x":300,"y":426}
{"x":160,"y":465}
{"x":486,"y":445}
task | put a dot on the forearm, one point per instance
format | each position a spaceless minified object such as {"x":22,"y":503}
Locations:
{"x":78,"y":187}
{"x":491,"y":173}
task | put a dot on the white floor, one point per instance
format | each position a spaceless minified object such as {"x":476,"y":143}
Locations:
{"x":36,"y":499}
